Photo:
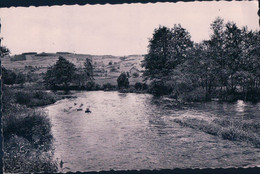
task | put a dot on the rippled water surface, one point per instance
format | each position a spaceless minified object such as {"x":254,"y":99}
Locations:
{"x":135,"y":131}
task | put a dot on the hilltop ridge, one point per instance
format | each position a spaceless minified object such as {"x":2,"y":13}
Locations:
{"x":106,"y":67}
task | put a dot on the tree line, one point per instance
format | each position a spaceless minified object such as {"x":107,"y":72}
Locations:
{"x":63,"y":74}
{"x":226,"y":66}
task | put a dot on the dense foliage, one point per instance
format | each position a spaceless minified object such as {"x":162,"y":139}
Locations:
{"x":227,"y":66}
{"x":60,"y":74}
{"x":122,"y":81}
{"x":64,"y":75}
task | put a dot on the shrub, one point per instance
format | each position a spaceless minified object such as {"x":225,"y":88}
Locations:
{"x":35,"y":98}
{"x":122,"y":81}
{"x":138,"y":86}
{"x":34,"y":126}
{"x":8,"y":76}
{"x":195,"y":95}
{"x":98,"y":87}
{"x":90,"y":86}
{"x":28,"y":141}
{"x":145,"y":86}
{"x":23,"y":98}
{"x":158,"y":88}
{"x":20,"y":78}
{"x":108,"y":86}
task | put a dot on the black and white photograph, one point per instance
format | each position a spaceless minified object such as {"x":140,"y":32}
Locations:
{"x":130,"y":86}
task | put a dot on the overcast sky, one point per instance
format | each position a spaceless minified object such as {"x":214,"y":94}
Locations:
{"x":113,"y":29}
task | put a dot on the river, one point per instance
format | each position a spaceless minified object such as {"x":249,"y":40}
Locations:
{"x":136,"y":131}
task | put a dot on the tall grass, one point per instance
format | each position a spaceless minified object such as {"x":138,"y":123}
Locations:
{"x":28,"y":142}
{"x":27,"y":132}
{"x":35,"y":98}
{"x":244,"y":131}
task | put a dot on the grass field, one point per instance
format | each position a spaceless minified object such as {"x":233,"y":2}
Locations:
{"x":106,"y":67}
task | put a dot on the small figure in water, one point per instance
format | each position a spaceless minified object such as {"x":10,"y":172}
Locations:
{"x":87,"y":110}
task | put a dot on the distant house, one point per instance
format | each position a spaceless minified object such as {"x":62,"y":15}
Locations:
{"x":134,"y":70}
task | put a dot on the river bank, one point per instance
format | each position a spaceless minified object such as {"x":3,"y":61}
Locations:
{"x":27,"y":130}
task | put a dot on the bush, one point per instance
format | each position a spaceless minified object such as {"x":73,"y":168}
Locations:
{"x":90,"y":86}
{"x":98,"y":87}
{"x":122,"y":81}
{"x":195,"y":95}
{"x":29,"y":160}
{"x":108,"y":86}
{"x":158,"y":88}
{"x":145,"y":86}
{"x":20,"y":78}
{"x":138,"y":86}
{"x":23,"y":98}
{"x":8,"y":76}
{"x":34,"y":126}
{"x":35,"y":98}
{"x":28,"y":142}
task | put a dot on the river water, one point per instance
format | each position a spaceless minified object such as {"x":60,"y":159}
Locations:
{"x":136,"y":131}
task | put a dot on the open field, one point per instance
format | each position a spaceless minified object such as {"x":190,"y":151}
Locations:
{"x":106,"y":68}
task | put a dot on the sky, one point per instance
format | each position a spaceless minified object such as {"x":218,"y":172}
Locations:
{"x":113,"y":29}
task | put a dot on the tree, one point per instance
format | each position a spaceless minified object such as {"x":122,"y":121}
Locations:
{"x":88,"y":69}
{"x":159,"y":53}
{"x":167,"y":49}
{"x":122,"y":81}
{"x":60,"y":74}
{"x":85,"y":74}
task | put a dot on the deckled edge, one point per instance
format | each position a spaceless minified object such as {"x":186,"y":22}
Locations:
{"x":1,"y":107}
{"x":38,"y":3}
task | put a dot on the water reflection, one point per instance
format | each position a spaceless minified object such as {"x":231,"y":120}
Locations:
{"x":240,"y":106}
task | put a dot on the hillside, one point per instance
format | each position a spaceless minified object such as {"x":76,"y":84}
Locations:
{"x":106,"y":67}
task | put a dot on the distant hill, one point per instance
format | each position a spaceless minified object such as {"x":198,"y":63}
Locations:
{"x":106,"y":67}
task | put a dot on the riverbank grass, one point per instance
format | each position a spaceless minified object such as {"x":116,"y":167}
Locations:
{"x":244,"y":131}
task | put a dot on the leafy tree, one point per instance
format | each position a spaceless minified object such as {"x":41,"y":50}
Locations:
{"x":167,"y":49}
{"x":159,"y":52}
{"x":84,"y":75}
{"x":88,"y":69}
{"x":122,"y":81}
{"x":60,"y":74}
